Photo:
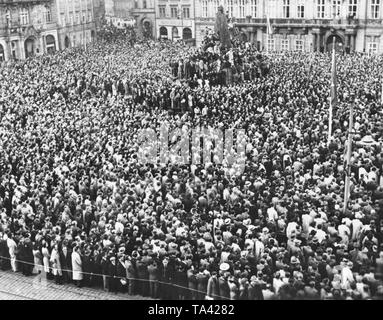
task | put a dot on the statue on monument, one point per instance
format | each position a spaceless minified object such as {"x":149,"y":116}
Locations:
{"x":222,"y":29}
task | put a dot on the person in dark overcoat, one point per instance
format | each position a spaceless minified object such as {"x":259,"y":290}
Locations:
{"x":112,"y":273}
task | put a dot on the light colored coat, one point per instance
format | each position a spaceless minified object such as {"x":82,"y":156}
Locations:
{"x":46,"y":257}
{"x":12,"y":247}
{"x":56,"y":265}
{"x":38,"y":260}
{"x":77,"y":266}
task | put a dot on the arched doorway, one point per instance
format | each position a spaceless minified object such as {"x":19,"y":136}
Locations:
{"x":164,"y":32}
{"x":339,"y":47}
{"x":30,"y":47}
{"x":175,"y":33}
{"x":186,"y":34}
{"x":2,"y":56}
{"x":67,"y":42}
{"x":50,"y":44}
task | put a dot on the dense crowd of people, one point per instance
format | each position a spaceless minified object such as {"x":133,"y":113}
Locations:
{"x":220,"y":66}
{"x":77,"y":205}
{"x":110,"y":32}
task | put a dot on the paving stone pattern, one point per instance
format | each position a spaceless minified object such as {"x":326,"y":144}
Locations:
{"x":15,"y":286}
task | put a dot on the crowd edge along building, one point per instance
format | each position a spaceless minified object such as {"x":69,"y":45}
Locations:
{"x":300,"y":25}
{"x":27,"y":28}
{"x":137,"y":13}
{"x":99,"y":13}
{"x":120,"y":13}
{"x":76,"y":22}
{"x":145,"y":16}
{"x":175,"y":20}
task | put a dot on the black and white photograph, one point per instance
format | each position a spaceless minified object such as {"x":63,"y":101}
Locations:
{"x":191,"y":154}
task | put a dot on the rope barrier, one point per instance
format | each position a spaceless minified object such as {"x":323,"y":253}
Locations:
{"x":116,"y":277}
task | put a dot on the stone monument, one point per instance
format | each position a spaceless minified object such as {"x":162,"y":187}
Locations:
{"x":222,"y":29}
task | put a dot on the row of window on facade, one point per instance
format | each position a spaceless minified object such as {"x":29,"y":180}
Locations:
{"x":285,"y":45}
{"x":175,"y":12}
{"x":72,"y":19}
{"x":299,"y":45}
{"x":24,"y":16}
{"x":373,"y":10}
{"x":244,"y":8}
{"x":74,"y":4}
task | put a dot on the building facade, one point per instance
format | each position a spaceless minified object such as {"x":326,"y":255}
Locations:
{"x":119,"y":13}
{"x":139,"y":13}
{"x":176,"y":20}
{"x":302,"y":25}
{"x":122,"y":8}
{"x":145,"y":17}
{"x":76,"y":22}
{"x":99,"y":12}
{"x":27,"y":28}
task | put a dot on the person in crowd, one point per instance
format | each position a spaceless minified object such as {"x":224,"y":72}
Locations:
{"x":213,"y":287}
{"x":131,"y":274}
{"x":77,"y":271}
{"x":4,"y":253}
{"x":56,"y":264}
{"x":12,"y":247}
{"x":121,"y":273}
{"x":153,"y":272}
{"x":65,"y":255}
{"x":46,"y":260}
{"x":104,"y":271}
{"x":112,"y":275}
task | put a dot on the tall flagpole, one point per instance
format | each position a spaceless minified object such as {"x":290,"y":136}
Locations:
{"x":269,"y":31}
{"x":332,"y":92}
{"x":348,"y":159}
{"x":382,"y":93}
